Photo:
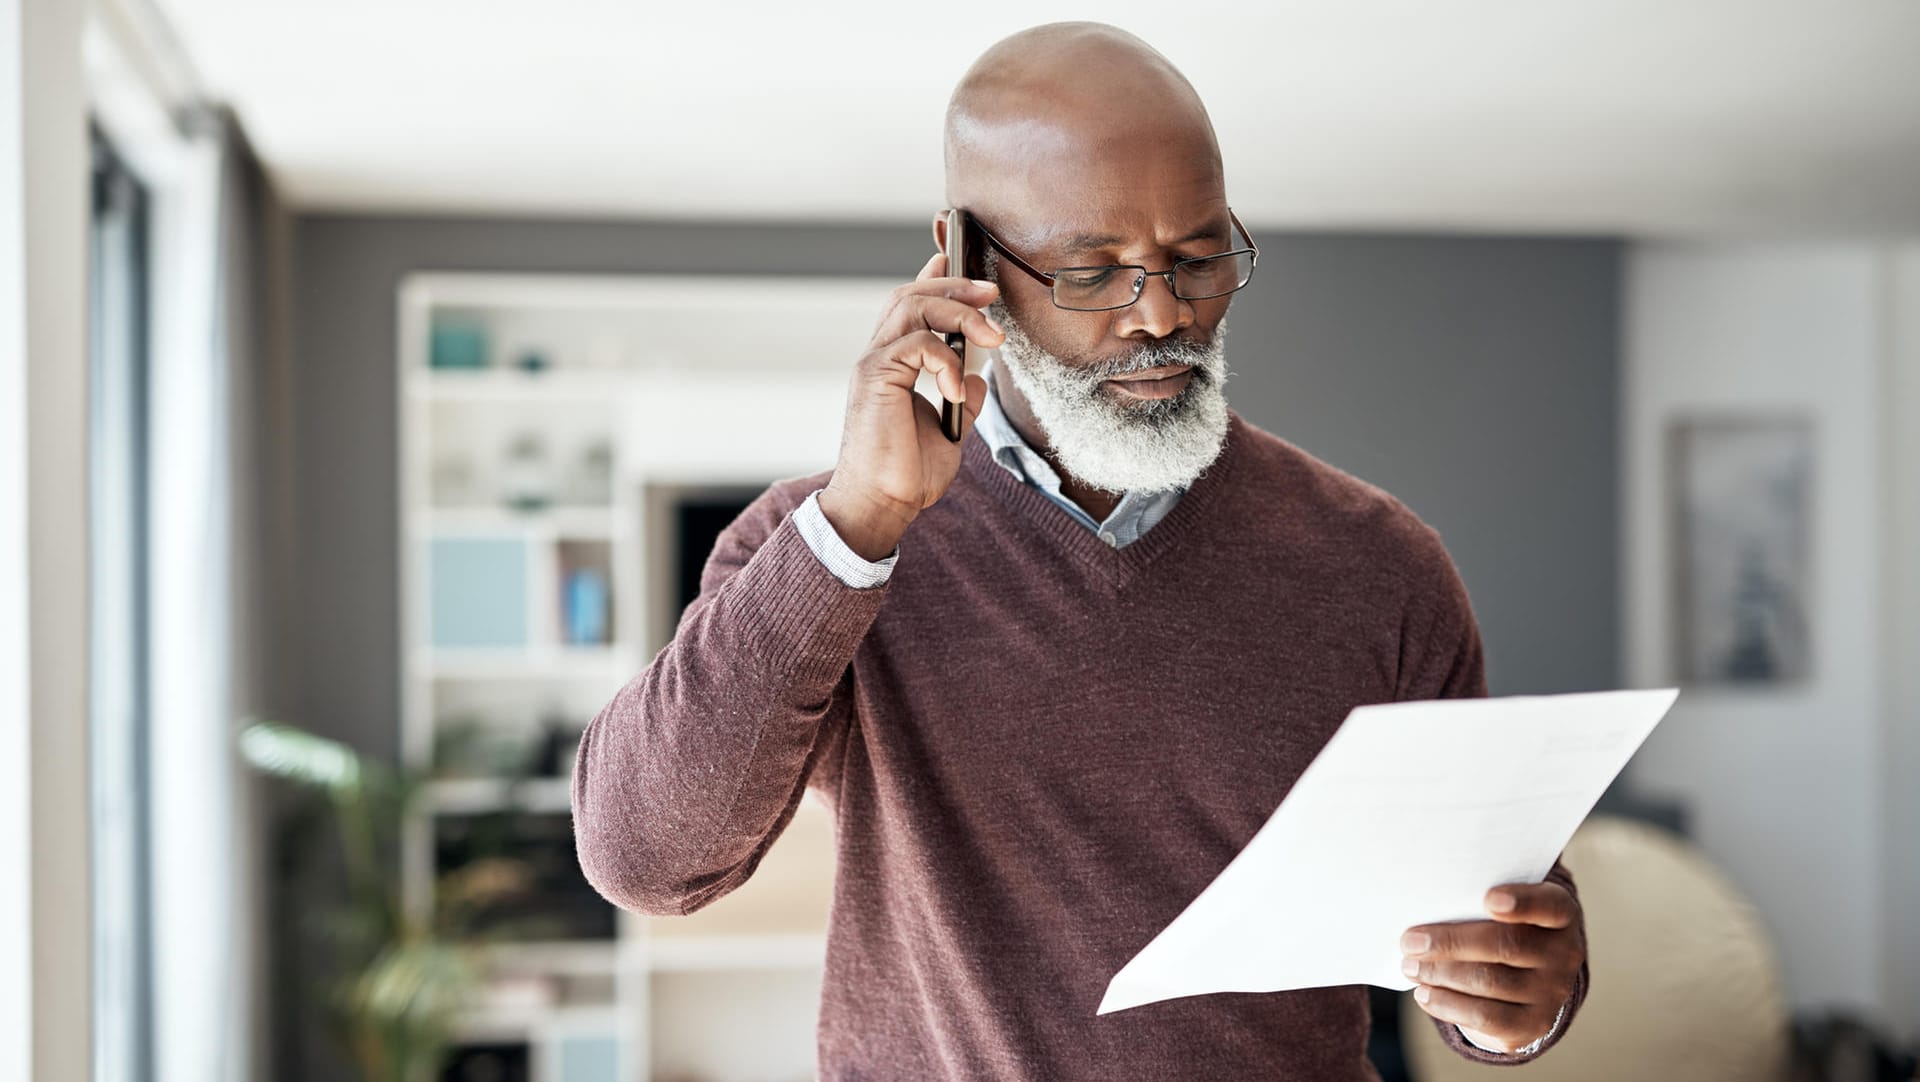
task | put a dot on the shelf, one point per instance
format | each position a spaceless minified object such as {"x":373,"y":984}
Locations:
{"x":560,"y":958}
{"x":478,"y":1025}
{"x":488,"y":1022}
{"x":639,"y":362}
{"x":477,"y":796}
{"x":700,"y":954}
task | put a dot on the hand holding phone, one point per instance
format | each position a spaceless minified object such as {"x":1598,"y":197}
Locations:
{"x":897,"y":452}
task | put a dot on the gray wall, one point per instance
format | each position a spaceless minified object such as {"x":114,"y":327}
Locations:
{"x":1478,"y":380}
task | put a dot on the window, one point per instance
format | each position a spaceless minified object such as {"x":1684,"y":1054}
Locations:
{"x":117,"y":556}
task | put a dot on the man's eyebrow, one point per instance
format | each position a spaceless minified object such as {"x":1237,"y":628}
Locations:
{"x":1082,"y":242}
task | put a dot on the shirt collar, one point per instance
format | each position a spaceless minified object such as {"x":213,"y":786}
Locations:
{"x":1009,"y":450}
{"x":1132,"y":516}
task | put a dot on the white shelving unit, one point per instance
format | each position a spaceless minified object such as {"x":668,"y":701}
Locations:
{"x":692,"y":384}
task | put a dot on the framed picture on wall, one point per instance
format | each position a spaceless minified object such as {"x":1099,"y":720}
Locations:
{"x":1741,"y":514}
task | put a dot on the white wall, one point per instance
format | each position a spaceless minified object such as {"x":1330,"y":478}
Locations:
{"x":45,"y":984}
{"x":1789,"y":789}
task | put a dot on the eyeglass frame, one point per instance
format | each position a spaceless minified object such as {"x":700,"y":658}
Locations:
{"x":1252,"y":248}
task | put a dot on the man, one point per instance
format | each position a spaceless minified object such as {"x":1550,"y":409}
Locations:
{"x":1051,"y":679}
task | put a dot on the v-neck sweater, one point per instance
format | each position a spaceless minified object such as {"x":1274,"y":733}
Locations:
{"x":1036,"y":749}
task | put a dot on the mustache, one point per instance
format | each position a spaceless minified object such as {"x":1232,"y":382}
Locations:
{"x":1206,"y":355}
{"x":1181,"y":351}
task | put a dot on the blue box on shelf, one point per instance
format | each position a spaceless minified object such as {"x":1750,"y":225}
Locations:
{"x":478,"y":593}
{"x":458,"y":345}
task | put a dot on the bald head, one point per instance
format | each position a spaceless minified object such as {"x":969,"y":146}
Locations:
{"x":1078,"y":145}
{"x":1070,"y":108}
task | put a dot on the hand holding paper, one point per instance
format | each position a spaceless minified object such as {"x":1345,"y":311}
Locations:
{"x":1407,"y":817}
{"x":1502,"y":981}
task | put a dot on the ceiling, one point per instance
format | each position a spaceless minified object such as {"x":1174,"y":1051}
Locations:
{"x":1632,"y":116}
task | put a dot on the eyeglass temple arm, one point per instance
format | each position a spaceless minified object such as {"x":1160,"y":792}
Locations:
{"x":1039,"y":275}
{"x":1243,"y":232}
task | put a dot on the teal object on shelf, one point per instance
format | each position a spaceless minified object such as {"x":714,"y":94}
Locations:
{"x":478,"y":593}
{"x":585,"y":1058}
{"x":458,"y":345}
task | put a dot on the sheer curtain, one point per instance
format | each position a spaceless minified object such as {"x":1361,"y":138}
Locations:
{"x":218,"y":542}
{"x":220,"y":545}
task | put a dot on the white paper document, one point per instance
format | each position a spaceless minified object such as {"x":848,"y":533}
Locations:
{"x":1409,"y":815}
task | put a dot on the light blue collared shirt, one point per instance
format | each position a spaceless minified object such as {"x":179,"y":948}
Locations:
{"x":1132,"y":517}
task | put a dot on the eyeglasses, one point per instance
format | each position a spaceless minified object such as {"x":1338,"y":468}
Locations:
{"x":1103,"y":289}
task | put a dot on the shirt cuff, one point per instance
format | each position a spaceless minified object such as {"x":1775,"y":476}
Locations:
{"x":1529,"y":1049}
{"x":848,"y":566}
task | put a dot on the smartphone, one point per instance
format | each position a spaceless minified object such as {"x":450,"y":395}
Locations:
{"x":958,"y":266}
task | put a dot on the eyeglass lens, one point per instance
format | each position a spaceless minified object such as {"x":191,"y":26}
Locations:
{"x":1117,"y":287}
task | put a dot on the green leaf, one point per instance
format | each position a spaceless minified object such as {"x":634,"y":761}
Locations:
{"x":297,"y":755}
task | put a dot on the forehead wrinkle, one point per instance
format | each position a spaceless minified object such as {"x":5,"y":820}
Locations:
{"x":1065,"y":206}
{"x":1080,"y":240}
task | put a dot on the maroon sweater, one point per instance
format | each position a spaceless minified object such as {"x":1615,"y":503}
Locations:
{"x":1037,"y":750}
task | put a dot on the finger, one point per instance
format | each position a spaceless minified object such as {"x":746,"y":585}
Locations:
{"x":976,"y":386}
{"x":947,"y":314}
{"x":924,"y":351}
{"x":932,"y":271}
{"x":1510,"y":1023}
{"x":1521,"y":945}
{"x":1548,"y":905}
{"x":1488,"y":980}
{"x":901,"y":313}
{"x":935,"y":271}
{"x":977,"y":292}
{"x":936,"y":267}
{"x":969,"y":411}
{"x":944,"y":315}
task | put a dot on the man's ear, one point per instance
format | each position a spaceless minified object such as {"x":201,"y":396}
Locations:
{"x":940,"y":236}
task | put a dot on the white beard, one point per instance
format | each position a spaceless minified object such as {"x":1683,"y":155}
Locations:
{"x":1116,"y":445}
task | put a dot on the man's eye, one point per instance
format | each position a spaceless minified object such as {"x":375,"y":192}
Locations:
{"x":1085,"y":279}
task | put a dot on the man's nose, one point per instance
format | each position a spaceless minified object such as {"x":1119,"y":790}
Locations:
{"x":1158,"y":311}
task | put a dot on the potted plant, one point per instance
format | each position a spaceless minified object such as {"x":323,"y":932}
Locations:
{"x":401,"y":977}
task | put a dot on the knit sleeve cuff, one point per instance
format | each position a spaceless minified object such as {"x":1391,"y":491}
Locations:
{"x":1528,"y":1050}
{"x":1456,"y":1039}
{"x":802,"y":623}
